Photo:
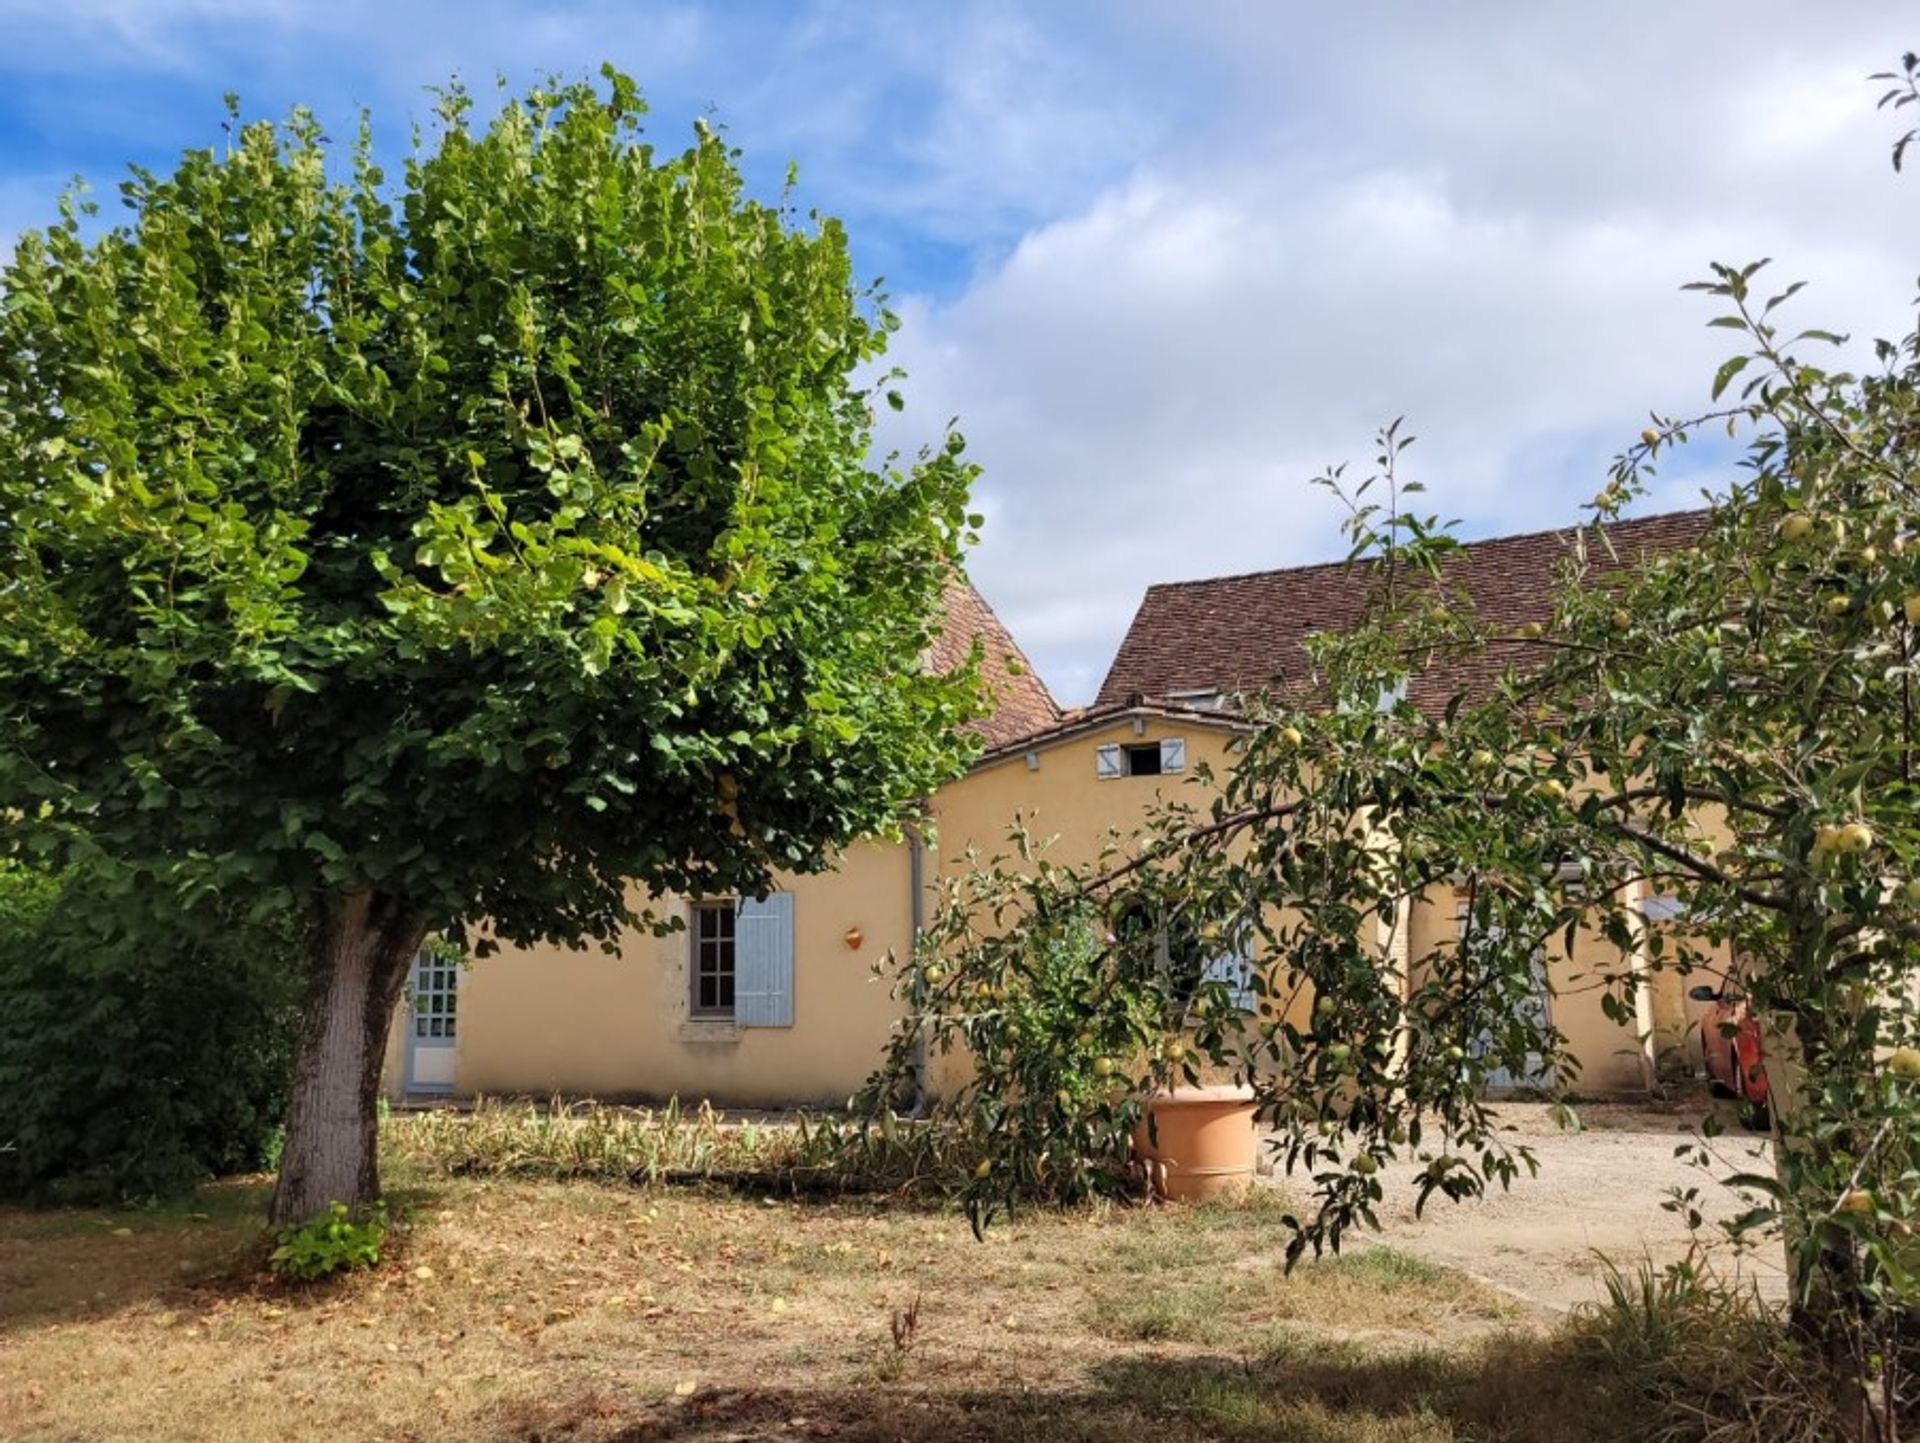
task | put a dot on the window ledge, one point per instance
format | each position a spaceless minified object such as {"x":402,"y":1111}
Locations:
{"x":709,"y":1030}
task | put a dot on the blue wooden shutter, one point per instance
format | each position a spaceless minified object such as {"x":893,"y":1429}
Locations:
{"x":1173,"y":754}
{"x":1106,"y":762}
{"x":763,"y":961}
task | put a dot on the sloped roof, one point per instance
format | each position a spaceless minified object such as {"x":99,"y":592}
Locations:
{"x":1246,"y":633}
{"x":1019,"y":702}
{"x":1078,"y":721}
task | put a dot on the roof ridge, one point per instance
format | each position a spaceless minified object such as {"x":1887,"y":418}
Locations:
{"x":1505,"y":536}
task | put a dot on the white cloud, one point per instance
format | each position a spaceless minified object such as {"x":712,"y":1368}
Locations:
{"x":1203,"y":250}
{"x":1478,"y":223}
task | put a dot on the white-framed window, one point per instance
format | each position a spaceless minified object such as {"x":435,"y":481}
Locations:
{"x":1187,"y":959}
{"x":435,"y":998}
{"x":740,"y":961}
{"x":1140,"y":759}
{"x":1663,"y":907}
{"x":714,"y":959}
{"x":1234,"y":968}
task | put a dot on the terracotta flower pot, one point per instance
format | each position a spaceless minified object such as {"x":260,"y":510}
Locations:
{"x":1202,"y":1144}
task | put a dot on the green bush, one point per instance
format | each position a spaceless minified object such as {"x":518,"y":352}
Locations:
{"x":138,"y":1056}
{"x":338,"y":1241}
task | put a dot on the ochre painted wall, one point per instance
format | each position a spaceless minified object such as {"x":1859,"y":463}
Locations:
{"x":547,"y":1019}
{"x":1064,"y":798}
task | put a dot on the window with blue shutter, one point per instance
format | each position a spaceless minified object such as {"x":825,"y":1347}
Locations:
{"x":1235,"y":969}
{"x":763,"y":961}
{"x":1663,"y":908}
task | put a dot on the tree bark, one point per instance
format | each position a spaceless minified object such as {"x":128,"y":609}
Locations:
{"x":331,"y":1152}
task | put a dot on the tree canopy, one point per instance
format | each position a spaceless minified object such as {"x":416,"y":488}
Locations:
{"x":473,"y":543}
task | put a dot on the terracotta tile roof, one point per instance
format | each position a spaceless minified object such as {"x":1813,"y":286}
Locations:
{"x":1020,"y":701}
{"x":1245,"y":633}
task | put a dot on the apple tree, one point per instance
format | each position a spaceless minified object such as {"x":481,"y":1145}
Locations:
{"x":1731,"y":726}
{"x":466,"y":550}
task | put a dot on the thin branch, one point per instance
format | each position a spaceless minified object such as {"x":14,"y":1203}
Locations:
{"x":1703,"y":869}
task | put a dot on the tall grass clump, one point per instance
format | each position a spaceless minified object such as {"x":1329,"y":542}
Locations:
{"x":670,"y":1144}
{"x":1715,"y":1363}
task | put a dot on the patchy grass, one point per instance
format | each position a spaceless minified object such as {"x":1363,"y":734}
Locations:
{"x":523,"y":1310}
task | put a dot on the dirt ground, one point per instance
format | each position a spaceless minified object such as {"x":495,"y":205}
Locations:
{"x":523,"y":1312}
{"x":546,"y":1312}
{"x":1599,"y":1191}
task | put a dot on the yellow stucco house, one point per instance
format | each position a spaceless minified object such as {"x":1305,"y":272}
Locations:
{"x":774,"y":1001}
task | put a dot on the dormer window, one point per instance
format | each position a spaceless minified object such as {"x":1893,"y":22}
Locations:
{"x":1142,"y":759}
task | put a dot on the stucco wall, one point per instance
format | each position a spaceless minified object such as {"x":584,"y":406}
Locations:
{"x":548,"y":1019}
{"x":1612,"y":1054}
{"x":1061,"y":796}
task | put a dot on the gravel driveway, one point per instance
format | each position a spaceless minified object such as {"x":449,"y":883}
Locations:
{"x":1599,"y":1190}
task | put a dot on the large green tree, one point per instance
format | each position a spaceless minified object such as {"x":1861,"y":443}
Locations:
{"x":466,"y":550}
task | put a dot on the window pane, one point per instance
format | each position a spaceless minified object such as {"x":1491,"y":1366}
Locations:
{"x":711,"y":989}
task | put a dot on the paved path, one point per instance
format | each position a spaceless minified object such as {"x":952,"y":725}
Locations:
{"x":1599,"y":1190}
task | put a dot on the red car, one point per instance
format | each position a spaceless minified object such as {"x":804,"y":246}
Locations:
{"x":1730,"y":1038}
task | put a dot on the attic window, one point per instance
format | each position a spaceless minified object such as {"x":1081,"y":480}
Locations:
{"x":1147,"y":759}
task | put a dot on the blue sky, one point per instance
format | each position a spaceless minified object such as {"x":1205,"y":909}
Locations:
{"x":1165,"y":262}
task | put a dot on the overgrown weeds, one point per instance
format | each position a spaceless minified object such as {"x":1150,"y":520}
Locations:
{"x":654,"y":1147}
{"x":1714,"y":1362}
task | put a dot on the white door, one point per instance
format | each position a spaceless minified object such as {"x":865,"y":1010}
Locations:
{"x":432,"y":995}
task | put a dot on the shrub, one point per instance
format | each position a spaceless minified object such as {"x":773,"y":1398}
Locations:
{"x":1067,"y":1021}
{"x":337,"y":1241}
{"x":137,"y":1057}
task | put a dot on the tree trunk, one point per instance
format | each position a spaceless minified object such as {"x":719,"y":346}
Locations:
{"x":366,"y":944}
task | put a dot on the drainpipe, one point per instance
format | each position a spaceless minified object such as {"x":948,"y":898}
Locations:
{"x":916,"y":909}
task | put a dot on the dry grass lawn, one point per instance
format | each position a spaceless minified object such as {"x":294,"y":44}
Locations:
{"x":542,"y":1311}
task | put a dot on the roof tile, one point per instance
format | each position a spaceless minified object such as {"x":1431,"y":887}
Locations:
{"x":1019,"y":702}
{"x":1246,"y":633}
